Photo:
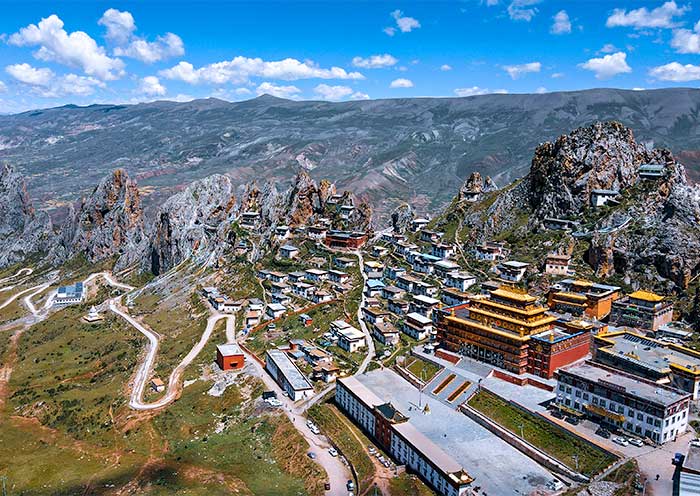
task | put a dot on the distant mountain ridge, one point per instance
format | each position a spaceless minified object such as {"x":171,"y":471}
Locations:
{"x":385,"y":151}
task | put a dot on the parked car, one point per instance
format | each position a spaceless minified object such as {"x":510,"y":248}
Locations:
{"x":327,"y":486}
{"x":333,"y":452}
{"x":573,"y":420}
{"x":635,"y":442}
{"x":557,"y":414}
{"x":620,"y":440}
{"x":311,"y":455}
{"x":350,"y":486}
{"x":603,"y":432}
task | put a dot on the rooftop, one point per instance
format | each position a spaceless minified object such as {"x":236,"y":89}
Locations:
{"x":289,"y":370}
{"x":646,"y":296}
{"x":629,"y":384}
{"x":229,"y":349}
{"x":452,"y":440}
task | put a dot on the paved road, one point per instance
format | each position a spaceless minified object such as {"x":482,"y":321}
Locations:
{"x":144,"y":370}
{"x":338,"y":473}
{"x":360,"y":318}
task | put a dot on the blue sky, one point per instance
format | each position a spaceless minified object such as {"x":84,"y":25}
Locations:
{"x":53,"y":53}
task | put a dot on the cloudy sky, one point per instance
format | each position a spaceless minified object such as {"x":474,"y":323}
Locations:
{"x":53,"y":53}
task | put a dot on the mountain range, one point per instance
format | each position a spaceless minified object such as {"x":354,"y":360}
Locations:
{"x":384,"y":151}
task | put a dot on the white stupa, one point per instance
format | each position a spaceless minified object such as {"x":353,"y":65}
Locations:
{"x":93,"y":316}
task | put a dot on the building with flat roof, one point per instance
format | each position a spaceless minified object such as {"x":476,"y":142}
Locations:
{"x":417,"y":326}
{"x":512,"y":271}
{"x":229,"y":356}
{"x":643,"y":310}
{"x":350,"y":338}
{"x":663,"y":363}
{"x":287,"y":375}
{"x":558,"y":264}
{"x":582,"y":298}
{"x":69,"y":295}
{"x":345,"y":239}
{"x":624,"y":401}
{"x":450,"y":452}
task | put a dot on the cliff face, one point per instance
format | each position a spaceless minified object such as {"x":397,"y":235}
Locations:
{"x":649,"y":235}
{"x":193,"y":223}
{"x":23,"y":231}
{"x":108,"y":223}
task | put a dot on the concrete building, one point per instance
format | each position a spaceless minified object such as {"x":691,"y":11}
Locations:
{"x":386,"y":333}
{"x":459,"y":280}
{"x":69,"y":295}
{"x":345,"y":239}
{"x":350,"y":338}
{"x":275,"y":310}
{"x":424,"y":305}
{"x":512,"y":271}
{"x":651,"y":171}
{"x":287,"y":375}
{"x":558,"y":264}
{"x":229,"y":357}
{"x":611,"y":397}
{"x":689,"y":477}
{"x":491,"y":251}
{"x":289,"y":251}
{"x":664,"y":363}
{"x":643,"y":310}
{"x":417,"y":326}
{"x":601,"y":197}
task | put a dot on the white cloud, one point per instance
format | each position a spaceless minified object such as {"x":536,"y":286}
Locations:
{"x":562,"y":23}
{"x":375,"y":61}
{"x":676,"y":72}
{"x":242,"y":91}
{"x":120,"y":30}
{"x":3,"y":87}
{"x":491,"y":3}
{"x":166,"y":46}
{"x":445,"y":67}
{"x":358,"y":95}
{"x":76,"y":49}
{"x":608,"y":66}
{"x":120,"y":25}
{"x":151,"y":86}
{"x":44,"y":82}
{"x":278,"y":91}
{"x":687,"y":41}
{"x":515,"y":71}
{"x":523,"y":10}
{"x":557,"y":75}
{"x":25,"y":73}
{"x":475,"y":90}
{"x":327,"y":92}
{"x":404,"y":24}
{"x":401,"y":83}
{"x":541,"y":90}
{"x":240,"y":69}
{"x":660,"y":17}
{"x":608,"y":48}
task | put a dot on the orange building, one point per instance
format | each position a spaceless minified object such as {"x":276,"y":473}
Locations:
{"x":510,"y":329}
{"x":229,"y":357}
{"x":583,"y":298}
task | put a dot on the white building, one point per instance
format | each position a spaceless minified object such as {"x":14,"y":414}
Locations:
{"x":459,"y":280}
{"x":287,"y":375}
{"x":417,"y":326}
{"x":512,"y":270}
{"x":350,"y":338}
{"x":69,"y":295}
{"x":641,"y":407}
{"x":275,"y":310}
{"x":557,"y":264}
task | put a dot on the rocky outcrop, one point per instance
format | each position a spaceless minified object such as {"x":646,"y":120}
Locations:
{"x":23,"y":230}
{"x":475,"y":186}
{"x":649,"y":237}
{"x":401,"y":218}
{"x":109,"y":223}
{"x":195,"y":223}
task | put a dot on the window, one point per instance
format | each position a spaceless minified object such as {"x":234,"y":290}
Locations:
{"x":578,"y":393}
{"x":585,"y":396}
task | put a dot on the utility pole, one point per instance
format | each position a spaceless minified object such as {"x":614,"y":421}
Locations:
{"x":4,"y":485}
{"x":575,"y":457}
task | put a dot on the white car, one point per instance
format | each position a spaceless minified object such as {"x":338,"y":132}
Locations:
{"x":332,"y":452}
{"x":635,"y":442}
{"x":621,"y":441}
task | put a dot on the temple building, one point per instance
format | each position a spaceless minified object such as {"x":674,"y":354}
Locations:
{"x":508,"y":328}
{"x":643,"y":310}
{"x":582,"y":298}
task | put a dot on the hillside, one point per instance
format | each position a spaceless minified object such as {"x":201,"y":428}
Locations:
{"x":646,"y":235}
{"x":385,"y":151}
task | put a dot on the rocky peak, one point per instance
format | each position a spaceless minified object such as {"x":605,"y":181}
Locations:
{"x":23,"y":231}
{"x":602,"y":156}
{"x":195,"y":223}
{"x":109,"y":222}
{"x":475,"y":186}
{"x":401,"y":218}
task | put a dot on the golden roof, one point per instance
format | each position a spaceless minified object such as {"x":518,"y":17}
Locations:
{"x":573,"y":296}
{"x":513,"y":295}
{"x":646,"y":296}
{"x":581,"y":282}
